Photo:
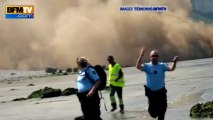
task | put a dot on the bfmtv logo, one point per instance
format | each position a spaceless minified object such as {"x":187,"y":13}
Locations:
{"x":19,"y":12}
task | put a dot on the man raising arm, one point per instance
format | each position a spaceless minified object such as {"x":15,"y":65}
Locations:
{"x":155,"y":88}
{"x":139,"y":61}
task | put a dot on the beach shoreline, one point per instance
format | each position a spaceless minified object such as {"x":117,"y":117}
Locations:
{"x":191,"y":83}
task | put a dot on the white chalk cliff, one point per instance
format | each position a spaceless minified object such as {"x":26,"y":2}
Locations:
{"x":203,"y":6}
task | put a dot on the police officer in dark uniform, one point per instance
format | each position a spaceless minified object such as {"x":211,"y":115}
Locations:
{"x":87,"y":90}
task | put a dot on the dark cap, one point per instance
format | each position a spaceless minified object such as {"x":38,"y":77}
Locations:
{"x":110,"y":57}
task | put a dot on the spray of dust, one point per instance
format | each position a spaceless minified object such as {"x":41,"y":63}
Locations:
{"x":63,"y":30}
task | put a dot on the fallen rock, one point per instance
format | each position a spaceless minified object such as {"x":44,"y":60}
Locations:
{"x":12,"y":73}
{"x":51,"y":70}
{"x":75,"y":69}
{"x":47,"y":92}
{"x":30,"y":84}
{"x":69,"y":91}
{"x":203,"y":110}
{"x":69,"y":70}
{"x":13,"y":89}
{"x":19,"y":99}
{"x":65,"y":73}
{"x":9,"y":82}
{"x":60,"y":71}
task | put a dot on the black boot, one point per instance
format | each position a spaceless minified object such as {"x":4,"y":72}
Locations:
{"x":121,"y":108}
{"x":114,"y":107}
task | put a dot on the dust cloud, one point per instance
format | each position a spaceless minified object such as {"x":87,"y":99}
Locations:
{"x":63,"y":30}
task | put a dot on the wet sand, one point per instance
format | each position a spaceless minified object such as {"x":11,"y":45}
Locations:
{"x":191,"y":83}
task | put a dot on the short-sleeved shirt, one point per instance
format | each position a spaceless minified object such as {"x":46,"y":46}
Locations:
{"x":84,"y":83}
{"x":155,"y":75}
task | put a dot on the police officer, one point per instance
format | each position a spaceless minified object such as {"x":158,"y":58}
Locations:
{"x":116,"y":82}
{"x":155,"y":82}
{"x":87,"y":90}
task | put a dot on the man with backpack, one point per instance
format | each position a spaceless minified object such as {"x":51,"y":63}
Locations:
{"x":88,"y":83}
{"x":116,"y":82}
{"x":155,"y":82}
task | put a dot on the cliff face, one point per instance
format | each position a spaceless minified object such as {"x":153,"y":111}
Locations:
{"x":203,"y":6}
{"x":202,"y":10}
